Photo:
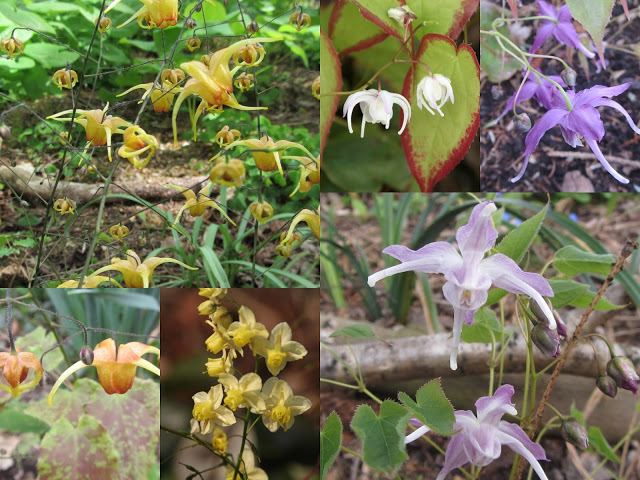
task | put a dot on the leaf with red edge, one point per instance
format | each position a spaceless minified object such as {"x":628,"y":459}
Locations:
{"x":433,"y":144}
{"x":330,"y":81}
{"x":349,"y":31}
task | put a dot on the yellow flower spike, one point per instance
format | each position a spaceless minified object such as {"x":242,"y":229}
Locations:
{"x":311,"y":218}
{"x":193,"y":43}
{"x":156,"y":13}
{"x":15,"y":368}
{"x":278,"y":349}
{"x":220,"y":340}
{"x":282,"y":405}
{"x":11,"y":46}
{"x":231,"y":173}
{"x":299,"y":20}
{"x":243,"y":393}
{"x":315,"y":88}
{"x":213,"y":294}
{"x":208,"y":410}
{"x":137,"y":142}
{"x":218,"y":366}
{"x":244,"y":81}
{"x":64,"y":78}
{"x":247,"y":470}
{"x":226,"y":136}
{"x":261,"y":211}
{"x":249,"y":55}
{"x":172,"y":76}
{"x":219,"y":441}
{"x":98,"y":126}
{"x":65,"y":205}
{"x":119,"y":231}
{"x":89,"y":282}
{"x":213,"y":83}
{"x":246,"y":328}
{"x":116,"y":372}
{"x":104,"y":23}
{"x":198,"y":205}
{"x":137,"y":274}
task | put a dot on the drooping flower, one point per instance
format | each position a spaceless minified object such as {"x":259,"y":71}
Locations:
{"x":246,"y":328}
{"x":433,"y":92}
{"x":278,"y":349}
{"x":309,"y":173}
{"x":219,"y":441}
{"x":15,"y":369}
{"x":208,"y":411}
{"x":261,"y":211}
{"x":64,"y":78}
{"x":11,"y":46}
{"x":247,"y":470}
{"x":299,"y":20}
{"x":226,"y":136}
{"x":228,"y":172}
{"x":136,"y":143}
{"x":563,"y":30}
{"x":154,"y":13}
{"x":137,"y":274}
{"x":535,"y":87}
{"x":104,"y":23}
{"x":198,"y":205}
{"x":402,"y":15}
{"x":65,"y":205}
{"x":281,"y":405}
{"x":119,"y":231}
{"x":243,"y":392}
{"x":244,"y":81}
{"x":89,"y":282}
{"x":218,"y":366}
{"x":213,"y":294}
{"x":116,"y":372}
{"x":250,"y":55}
{"x":480,"y":438}
{"x":581,"y":121}
{"x":469,"y":275}
{"x":194,"y":43}
{"x":377,"y":107}
{"x":311,"y":218}
{"x":161,"y":95}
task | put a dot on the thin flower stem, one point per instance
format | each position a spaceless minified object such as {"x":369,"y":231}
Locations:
{"x":555,"y":410}
{"x":12,"y":344}
{"x":515,"y":98}
{"x":341,"y":360}
{"x":351,"y":452}
{"x":535,"y":17}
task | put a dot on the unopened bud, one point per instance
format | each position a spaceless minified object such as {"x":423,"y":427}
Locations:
{"x":522,"y":122}
{"x":607,"y":385}
{"x":5,"y":132}
{"x":541,"y":317}
{"x":546,"y":340}
{"x":622,"y":370}
{"x":253,"y":27}
{"x":497,"y":92}
{"x":86,"y":355}
{"x":190,"y":23}
{"x":283,"y":251}
{"x":573,"y":432}
{"x":569,"y":76}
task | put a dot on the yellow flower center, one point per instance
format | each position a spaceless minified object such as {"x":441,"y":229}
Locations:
{"x":233,"y":399}
{"x":242,"y":336}
{"x":281,"y":414}
{"x":202,"y":411}
{"x":275,"y":358}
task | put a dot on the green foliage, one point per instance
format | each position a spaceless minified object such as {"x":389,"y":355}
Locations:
{"x":330,"y":442}
{"x":431,"y":407}
{"x":354,"y":331}
{"x":485,"y":329}
{"x":517,"y":242}
{"x":571,"y":261}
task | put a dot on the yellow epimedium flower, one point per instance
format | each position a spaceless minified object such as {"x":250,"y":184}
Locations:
{"x":246,"y":328}
{"x":161,"y":96}
{"x":281,"y":405}
{"x":230,"y":173}
{"x":249,"y":55}
{"x":98,"y":126}
{"x":261,"y":211}
{"x":284,"y":250}
{"x":194,"y":43}
{"x":315,"y":88}
{"x":116,"y":372}
{"x":213,"y":294}
{"x":137,"y":274}
{"x":156,"y":13}
{"x":172,"y":76}
{"x":213,"y":83}
{"x":243,"y":393}
{"x":244,"y":81}
{"x":221,"y":317}
{"x":63,"y":138}
{"x":64,"y":78}
{"x":15,"y":369}
{"x":218,"y":366}
{"x":278,"y":349}
{"x":198,"y":205}
{"x":89,"y":282}
{"x":226,"y":136}
{"x":119,"y":231}
{"x":11,"y":46}
{"x":209,"y":412}
{"x":104,"y":23}
{"x":65,"y":205}
{"x":311,"y":218}
{"x":247,"y":470}
{"x":220,"y":340}
{"x":219,"y":441}
{"x":309,"y":174}
{"x":299,"y":20}
{"x":137,"y":142}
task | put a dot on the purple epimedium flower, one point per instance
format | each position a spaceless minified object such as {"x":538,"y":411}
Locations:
{"x":535,"y":87}
{"x":480,"y":438}
{"x":582,"y":121}
{"x":563,"y":30}
{"x":469,"y":274}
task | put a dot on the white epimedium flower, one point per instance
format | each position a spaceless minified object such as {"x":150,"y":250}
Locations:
{"x":402,"y":14}
{"x":377,"y":107}
{"x":433,"y":92}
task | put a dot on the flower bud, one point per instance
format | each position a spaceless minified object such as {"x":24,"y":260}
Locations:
{"x":11,"y":46}
{"x":86,"y":355}
{"x":253,"y":27}
{"x":283,"y":251}
{"x":541,"y":317}
{"x":546,"y":340}
{"x":5,"y":132}
{"x":190,"y":23}
{"x":569,"y":77}
{"x":219,"y":441}
{"x":607,"y":385}
{"x":402,"y":15}
{"x":497,"y":92}
{"x":573,"y":432}
{"x":622,"y":370}
{"x":522,"y":122}
{"x":193,"y":43}
{"x":104,"y":24}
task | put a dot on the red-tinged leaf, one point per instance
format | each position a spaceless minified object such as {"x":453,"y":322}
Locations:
{"x":594,"y":16}
{"x":514,"y":8}
{"x":349,"y":31}
{"x":330,"y":81}
{"x":84,"y":451}
{"x":433,"y":144}
{"x":626,"y":9}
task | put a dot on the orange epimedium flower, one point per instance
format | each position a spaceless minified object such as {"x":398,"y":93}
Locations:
{"x":116,"y":372}
{"x":226,"y":136}
{"x":15,"y":369}
{"x":261,"y":211}
{"x":137,"y":274}
{"x":309,"y":173}
{"x":65,"y":79}
{"x":64,"y":205}
{"x":231,"y":173}
{"x":315,"y":88}
{"x":99,"y":126}
{"x":172,"y":76}
{"x":197,"y":205}
{"x":193,"y":43}
{"x":299,"y":20}
{"x":11,"y":46}
{"x":249,"y":55}
{"x":161,"y":96}
{"x":155,"y":13}
{"x":137,"y":142}
{"x":311,"y":218}
{"x":244,"y":81}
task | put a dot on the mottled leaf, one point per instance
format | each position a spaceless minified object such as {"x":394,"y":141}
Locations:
{"x":330,"y":81}
{"x":594,"y":16}
{"x":431,"y":407}
{"x":330,"y":441}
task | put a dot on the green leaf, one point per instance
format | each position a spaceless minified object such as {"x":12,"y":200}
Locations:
{"x":495,"y":63}
{"x":485,"y":322}
{"x":354,"y":331}
{"x":434,"y":145}
{"x":594,"y":16}
{"x":330,"y":81}
{"x":50,"y":55}
{"x":572,"y":261}
{"x":299,"y":51}
{"x":432,"y":407}
{"x":565,"y":291}
{"x":25,"y":242}
{"x":213,"y":267}
{"x":382,"y":436}
{"x":516,"y":243}
{"x":25,"y":18}
{"x":349,"y":31}
{"x":597,"y":441}
{"x":18,"y":63}
{"x":13,"y":420}
{"x":584,"y":300}
{"x":330,"y":441}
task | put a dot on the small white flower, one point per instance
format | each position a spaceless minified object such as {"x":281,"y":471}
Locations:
{"x":433,"y":89}
{"x":402,"y":14}
{"x":377,"y":107}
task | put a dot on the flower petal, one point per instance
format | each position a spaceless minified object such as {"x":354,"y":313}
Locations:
{"x":595,"y":93}
{"x":610,"y":103}
{"x":478,"y":236}
{"x":491,"y":409}
{"x":455,"y":456}
{"x":607,"y":166}
{"x":507,"y":437}
{"x":586,"y":121}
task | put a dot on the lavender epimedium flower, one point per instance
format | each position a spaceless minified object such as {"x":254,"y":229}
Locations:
{"x":563,"y":30}
{"x":581,"y":121}
{"x":377,"y":107}
{"x":480,"y":438}
{"x":535,"y":87}
{"x":469,"y":275}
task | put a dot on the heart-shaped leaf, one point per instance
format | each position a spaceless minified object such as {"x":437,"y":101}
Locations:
{"x":330,"y":442}
{"x":330,"y":81}
{"x":433,"y":144}
{"x":349,"y":31}
{"x":432,"y":407}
